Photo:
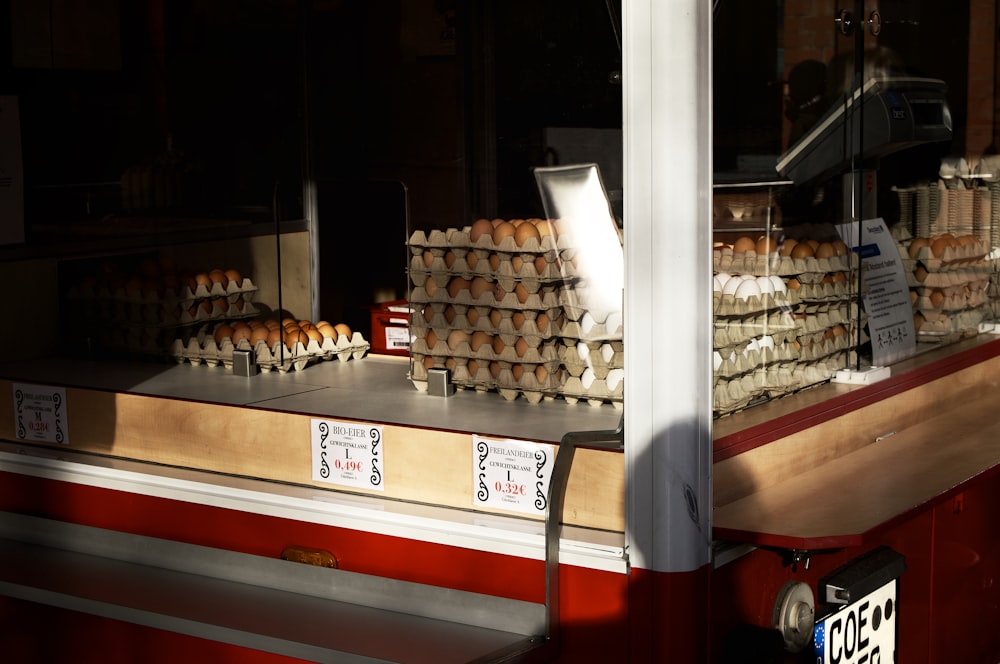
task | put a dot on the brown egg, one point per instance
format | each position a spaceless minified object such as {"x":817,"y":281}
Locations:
{"x":494,"y":369}
{"x":517,"y":319}
{"x":825,"y":250}
{"x":524,"y":232}
{"x":328,"y":330}
{"x":917,"y":244}
{"x":764,"y":246}
{"x":495,"y":317}
{"x":272,"y":324}
{"x":449,"y":314}
{"x":941,"y":243}
{"x":202,"y":279}
{"x":472,"y":315}
{"x":496,"y":221}
{"x":787,"y":246}
{"x":457,"y":338}
{"x":793,"y":284}
{"x":430,"y":286}
{"x":517,"y":222}
{"x":540,"y":265}
{"x":544,"y":228}
{"x":431,"y":338}
{"x":494,"y":259}
{"x":256,"y":334}
{"x":428,"y":257}
{"x":517,"y":371}
{"x":251,"y":334}
{"x":516,"y":263}
{"x":502,"y":231}
{"x":541,"y":373}
{"x":814,"y":244}
{"x":221,"y":304}
{"x":840,"y":248}
{"x":428,"y":362}
{"x":234,"y":277}
{"x":450,"y":363}
{"x":520,"y":346}
{"x":937,"y":298}
{"x":305,"y":325}
{"x":838,"y":277}
{"x":744,"y":244}
{"x":218,"y":276}
{"x":542,"y":322}
{"x":478,"y":339}
{"x":273,"y":337}
{"x":479,"y":228}
{"x":344,"y":330}
{"x":521,"y":292}
{"x":498,"y":344}
{"x":803,"y":250}
{"x":314,"y":335}
{"x":472,"y":366}
{"x":921,"y":273}
{"x":478,"y":286}
{"x":449,"y":259}
{"x":223,"y":331}
{"x":471,"y":259}
{"x":456,"y":285}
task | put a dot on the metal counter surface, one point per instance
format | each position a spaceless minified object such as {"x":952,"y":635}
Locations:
{"x":373,"y":389}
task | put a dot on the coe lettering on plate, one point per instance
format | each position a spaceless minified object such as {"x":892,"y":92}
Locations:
{"x":863,"y":632}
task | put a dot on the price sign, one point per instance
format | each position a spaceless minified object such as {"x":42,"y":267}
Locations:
{"x":511,"y":474}
{"x":347,"y":453}
{"x":40,"y":413}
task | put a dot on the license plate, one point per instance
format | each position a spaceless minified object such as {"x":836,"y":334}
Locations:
{"x":862,"y":632}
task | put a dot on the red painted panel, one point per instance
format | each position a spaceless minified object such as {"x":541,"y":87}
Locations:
{"x":33,"y":633}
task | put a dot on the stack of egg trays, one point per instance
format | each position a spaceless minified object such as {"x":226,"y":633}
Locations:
{"x":147,"y":320}
{"x":962,"y":276}
{"x":753,"y":334}
{"x":465,"y":287}
{"x":201,"y":348}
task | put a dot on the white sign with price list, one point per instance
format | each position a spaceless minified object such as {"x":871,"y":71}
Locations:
{"x":40,"y":413}
{"x":348,"y":453}
{"x":511,"y":474}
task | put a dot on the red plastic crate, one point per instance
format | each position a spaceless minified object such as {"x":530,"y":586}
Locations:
{"x":391,"y":328}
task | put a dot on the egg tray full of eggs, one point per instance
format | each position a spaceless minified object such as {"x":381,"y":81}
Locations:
{"x":285,"y":346}
{"x":765,"y":256}
{"x":509,"y":324}
{"x":949,"y":279}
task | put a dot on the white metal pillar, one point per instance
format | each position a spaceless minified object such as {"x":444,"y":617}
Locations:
{"x":668,"y":292}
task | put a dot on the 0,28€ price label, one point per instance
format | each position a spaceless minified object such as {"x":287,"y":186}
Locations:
{"x":511,"y":474}
{"x":347,"y":453}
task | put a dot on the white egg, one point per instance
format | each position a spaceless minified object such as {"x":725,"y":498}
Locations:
{"x":723,"y":277}
{"x":717,"y":284}
{"x":615,"y":376}
{"x":587,"y":378}
{"x":747,"y":289}
{"x":729,"y":288}
{"x":583,"y":351}
{"x":717,"y":359}
{"x":779,"y":284}
{"x":766,"y":342}
{"x":765,"y":285}
{"x":607,"y":352}
{"x":747,"y":277}
{"x":752,"y":346}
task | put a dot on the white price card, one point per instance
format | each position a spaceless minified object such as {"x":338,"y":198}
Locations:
{"x":511,"y":474}
{"x":40,"y":413}
{"x":348,"y":453}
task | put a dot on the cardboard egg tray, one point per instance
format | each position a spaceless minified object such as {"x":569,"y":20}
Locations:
{"x":749,"y":262}
{"x":730,"y":305}
{"x":951,"y":299}
{"x":601,"y":358}
{"x":595,"y":391}
{"x":939,"y":327}
{"x":510,"y":269}
{"x":471,"y":319}
{"x":202,"y":349}
{"x":168,"y":297}
{"x":547,"y":301}
{"x":745,"y":361}
{"x":968,"y":254}
{"x":954,"y":276}
{"x":731,"y":337}
{"x":545,"y":352}
{"x":471,"y":374}
{"x":455,"y":238}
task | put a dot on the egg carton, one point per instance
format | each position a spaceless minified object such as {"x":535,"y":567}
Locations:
{"x":725,"y":304}
{"x":601,"y":358}
{"x":478,"y":285}
{"x":951,"y":302}
{"x":724,"y":260}
{"x":587,"y":329}
{"x":595,"y":391}
{"x":510,"y":270}
{"x":824,"y":292}
{"x":736,"y":394}
{"x":455,"y":337}
{"x":468,"y":374}
{"x":203,"y":349}
{"x":527,"y":323}
{"x":751,"y":359}
{"x":972,"y":252}
{"x":460,"y":238}
{"x":947,"y":278}
{"x":948,"y":323}
{"x":546,"y":301}
{"x":731,"y":331}
{"x":546,"y":352}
